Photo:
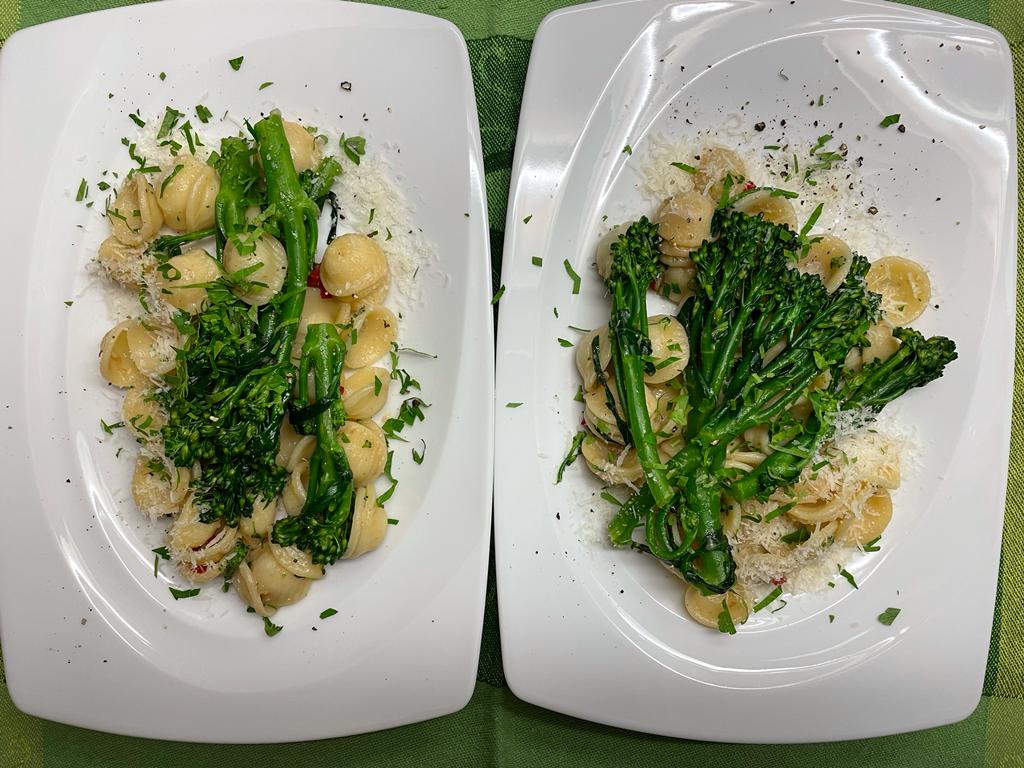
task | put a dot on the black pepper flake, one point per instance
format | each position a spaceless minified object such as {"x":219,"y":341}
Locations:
{"x":68,"y":480}
{"x":958,"y":47}
{"x":902,"y":128}
{"x":346,"y":85}
{"x":872,"y":210}
{"x":759,"y":126}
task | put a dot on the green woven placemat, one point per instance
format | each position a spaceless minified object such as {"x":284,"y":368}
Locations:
{"x":496,"y":728}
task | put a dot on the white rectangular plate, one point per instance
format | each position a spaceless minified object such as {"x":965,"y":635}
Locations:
{"x":609,"y":640}
{"x":90,"y":637}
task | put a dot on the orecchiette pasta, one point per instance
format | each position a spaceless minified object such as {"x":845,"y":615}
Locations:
{"x":585,"y":359}
{"x":296,"y":561}
{"x":123,"y":263}
{"x":829,"y":258}
{"x":670,"y":349}
{"x":183,"y":277}
{"x":188,"y":193}
{"x":150,"y":348}
{"x":881,"y":344}
{"x":715,"y":164}
{"x":135,"y":217}
{"x":158,"y":490}
{"x":353,"y":265}
{"x":604,"y":249}
{"x":268,"y":262}
{"x":774,"y":208}
{"x":373,"y":338}
{"x":141,"y":415}
{"x":317,"y":309}
{"x":199,"y":547}
{"x":254,"y":529}
{"x":873,"y":520}
{"x":366,"y":449}
{"x":369,"y":524}
{"x":116,"y":363}
{"x":904,"y":287}
{"x":705,"y":609}
{"x":684,"y":222}
{"x":276,"y":585}
{"x":303,"y":147}
{"x":365,"y":391}
{"x":611,"y":462}
{"x":599,"y":415}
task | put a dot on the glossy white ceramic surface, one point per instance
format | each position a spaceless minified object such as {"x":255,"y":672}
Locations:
{"x":602,"y":634}
{"x":90,"y":637}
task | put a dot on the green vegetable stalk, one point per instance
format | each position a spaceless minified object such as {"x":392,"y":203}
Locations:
{"x":323,"y":526}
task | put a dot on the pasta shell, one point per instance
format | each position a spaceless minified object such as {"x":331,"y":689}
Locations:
{"x":665,"y":428}
{"x":143,"y":417}
{"x":881,"y":344}
{"x":369,"y":524}
{"x":135,"y":217}
{"x":352,"y":264}
{"x":293,"y":495}
{"x":116,"y":364}
{"x":705,"y":609}
{"x":316,"y":310}
{"x":372,"y":297}
{"x":584,"y":355}
{"x":276,"y":586}
{"x":676,"y":283}
{"x":188,"y":194}
{"x":287,"y":441}
{"x":296,"y":561}
{"x":715,"y":164}
{"x":829,"y":258}
{"x":270,"y":261}
{"x":365,"y":391}
{"x":157,"y":493}
{"x":904,"y":287}
{"x":122,"y":263}
{"x":774,"y":208}
{"x":373,"y":339}
{"x":182,"y":278}
{"x":254,"y":529}
{"x":669,"y":347}
{"x":874,"y":519}
{"x":366,"y":448}
{"x":604,"y":249}
{"x":599,"y":416}
{"x":151,"y":349}
{"x":684,"y":222}
{"x":302,"y":145}
{"x":248,"y":590}
{"x":612,"y":463}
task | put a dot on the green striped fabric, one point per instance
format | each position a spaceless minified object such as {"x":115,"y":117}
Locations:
{"x":496,"y":728}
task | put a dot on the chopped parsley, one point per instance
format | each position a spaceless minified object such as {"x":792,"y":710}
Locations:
{"x":512,"y":405}
{"x":872,"y":546}
{"x":182,"y":594}
{"x":266,"y":85}
{"x":417,"y":456}
{"x":137,"y":120}
{"x":537,"y":261}
{"x":768,"y":599}
{"x":354,"y":147}
{"x":236,"y":64}
{"x":394,"y":483}
{"x":628,"y":150}
{"x":270,"y":627}
{"x":497,"y":295}
{"x":610,"y":498}
{"x":890,"y":120}
{"x":526,"y":219}
{"x":203,"y":114}
{"x":798,"y":536}
{"x":888,"y":616}
{"x":831,"y":618}
{"x":171,"y":118}
{"x":565,"y":342}
{"x":725,"y":622}
{"x":849,"y":577}
{"x":83,"y":190}
{"x":576,"y":280}
{"x":684,"y":167}
{"x":327,"y":613}
{"x":408,"y":412}
{"x":571,"y":456}
{"x":171,"y":175}
{"x":109,"y":428}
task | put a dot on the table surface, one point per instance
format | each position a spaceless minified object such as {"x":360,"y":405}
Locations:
{"x":496,"y":728}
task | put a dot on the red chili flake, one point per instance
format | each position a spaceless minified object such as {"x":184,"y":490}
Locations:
{"x":653,"y":286}
{"x":199,"y":568}
{"x":314,"y":281}
{"x":778,"y":581}
{"x":748,"y":186}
